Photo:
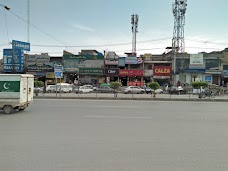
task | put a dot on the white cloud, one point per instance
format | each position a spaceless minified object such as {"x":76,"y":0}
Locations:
{"x":82,"y":27}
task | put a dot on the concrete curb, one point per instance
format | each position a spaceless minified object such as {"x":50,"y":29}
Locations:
{"x":144,"y":99}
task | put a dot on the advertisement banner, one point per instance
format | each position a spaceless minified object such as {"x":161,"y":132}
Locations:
{"x":162,"y":70}
{"x":196,"y":60}
{"x":82,"y":57}
{"x":147,"y":56}
{"x":111,"y":71}
{"x":131,"y":72}
{"x":91,"y":71}
{"x":94,"y":64}
{"x":111,"y":62}
{"x":121,"y":61}
{"x":40,"y":67}
{"x":13,"y":60}
{"x":212,"y":64}
{"x":20,"y":45}
{"x":38,"y":58}
{"x":148,"y":73}
{"x":131,"y":60}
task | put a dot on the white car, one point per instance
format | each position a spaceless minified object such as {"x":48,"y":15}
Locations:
{"x":134,"y":89}
{"x":83,"y":89}
{"x":90,"y":86}
{"x":51,"y":88}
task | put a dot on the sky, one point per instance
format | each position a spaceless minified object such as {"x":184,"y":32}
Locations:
{"x":100,"y":24}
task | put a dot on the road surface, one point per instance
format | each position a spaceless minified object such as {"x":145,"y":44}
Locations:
{"x":102,"y":135}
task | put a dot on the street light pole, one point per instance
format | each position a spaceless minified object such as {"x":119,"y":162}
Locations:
{"x":6,"y":7}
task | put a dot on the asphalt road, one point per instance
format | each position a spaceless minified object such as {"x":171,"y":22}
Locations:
{"x":90,"y":135}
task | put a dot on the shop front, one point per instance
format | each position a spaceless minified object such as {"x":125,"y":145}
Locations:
{"x":111,"y":74}
{"x":162,"y":74}
{"x":92,"y":76}
{"x":131,"y":77}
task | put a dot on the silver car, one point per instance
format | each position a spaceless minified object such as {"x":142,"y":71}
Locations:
{"x":133,"y":89}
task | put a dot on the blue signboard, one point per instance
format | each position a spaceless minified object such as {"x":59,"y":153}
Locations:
{"x":58,"y":74}
{"x":20,"y":45}
{"x":225,"y":72}
{"x":195,"y":70}
{"x":58,"y":71}
{"x":208,"y":78}
{"x":13,"y":60}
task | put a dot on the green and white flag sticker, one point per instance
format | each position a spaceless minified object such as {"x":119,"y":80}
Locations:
{"x":9,"y":86}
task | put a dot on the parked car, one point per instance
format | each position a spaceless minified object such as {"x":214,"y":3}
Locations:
{"x":83,"y":89}
{"x":90,"y":86}
{"x":177,"y":90}
{"x":64,"y":87}
{"x":149,"y":90}
{"x":50,"y":88}
{"x":133,"y":89}
{"x":105,"y":90}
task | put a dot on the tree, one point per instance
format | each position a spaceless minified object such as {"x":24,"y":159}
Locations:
{"x":115,"y":86}
{"x":199,"y":84}
{"x":38,"y":83}
{"x":154,"y":86}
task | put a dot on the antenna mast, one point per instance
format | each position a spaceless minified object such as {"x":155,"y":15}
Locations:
{"x":134,"y":28}
{"x":179,"y":9}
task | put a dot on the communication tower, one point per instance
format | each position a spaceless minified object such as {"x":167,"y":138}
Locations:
{"x":134,"y":28}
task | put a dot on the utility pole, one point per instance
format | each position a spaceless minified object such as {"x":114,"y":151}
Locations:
{"x":28,"y":20}
{"x":178,"y":44}
{"x":134,"y":28}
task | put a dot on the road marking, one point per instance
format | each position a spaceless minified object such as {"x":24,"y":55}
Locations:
{"x":120,"y":117}
{"x":119,"y":106}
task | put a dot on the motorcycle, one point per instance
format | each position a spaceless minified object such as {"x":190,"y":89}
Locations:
{"x":209,"y":94}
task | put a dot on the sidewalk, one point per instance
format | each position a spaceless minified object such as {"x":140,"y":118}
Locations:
{"x":121,"y":96}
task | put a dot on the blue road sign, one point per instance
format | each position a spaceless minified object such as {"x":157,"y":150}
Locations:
{"x":20,"y":45}
{"x":58,"y":74}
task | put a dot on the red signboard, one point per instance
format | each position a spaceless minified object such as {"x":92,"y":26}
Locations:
{"x":131,"y":72}
{"x":162,"y":70}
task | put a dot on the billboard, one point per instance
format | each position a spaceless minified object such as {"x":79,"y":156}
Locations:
{"x":40,"y":67}
{"x":82,"y":57}
{"x":196,"y":61}
{"x":162,"y":70}
{"x":13,"y":60}
{"x":212,"y":64}
{"x":38,"y":58}
{"x":20,"y":45}
{"x":131,"y":72}
{"x":121,"y":61}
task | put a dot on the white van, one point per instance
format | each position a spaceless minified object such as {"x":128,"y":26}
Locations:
{"x":64,"y":87}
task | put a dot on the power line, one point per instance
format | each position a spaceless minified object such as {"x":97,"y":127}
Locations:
{"x":102,"y":45}
{"x":205,"y":41}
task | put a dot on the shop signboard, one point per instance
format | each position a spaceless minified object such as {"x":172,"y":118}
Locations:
{"x":91,"y":71}
{"x":196,"y":61}
{"x":44,"y":57}
{"x":162,"y":70}
{"x":148,"y":73}
{"x":83,"y":57}
{"x":111,"y":71}
{"x":40,"y":67}
{"x":131,"y":72}
{"x":121,"y":61}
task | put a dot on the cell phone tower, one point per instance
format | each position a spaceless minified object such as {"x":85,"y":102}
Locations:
{"x":179,"y":10}
{"x":134,"y":28}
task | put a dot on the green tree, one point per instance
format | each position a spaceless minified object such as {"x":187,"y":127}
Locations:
{"x":154,"y":86}
{"x":115,"y":86}
{"x":199,"y":84}
{"x":38,"y":83}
